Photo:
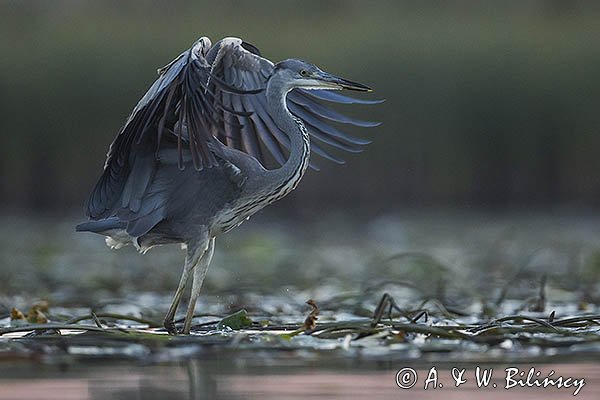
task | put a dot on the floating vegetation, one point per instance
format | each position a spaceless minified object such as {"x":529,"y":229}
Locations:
{"x":238,"y":320}
{"x":390,"y":331}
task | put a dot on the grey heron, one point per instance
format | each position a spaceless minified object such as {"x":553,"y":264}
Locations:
{"x":189,"y":163}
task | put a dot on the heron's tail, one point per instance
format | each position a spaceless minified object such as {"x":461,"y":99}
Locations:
{"x":102,"y":225}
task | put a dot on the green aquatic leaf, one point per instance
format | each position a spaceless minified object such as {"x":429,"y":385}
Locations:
{"x":237,"y":320}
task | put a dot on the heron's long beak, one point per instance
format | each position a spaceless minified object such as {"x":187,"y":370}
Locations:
{"x":341,"y":83}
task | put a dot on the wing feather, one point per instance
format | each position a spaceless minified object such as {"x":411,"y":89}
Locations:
{"x":316,"y":108}
{"x":267,"y":131}
{"x":336,"y":97}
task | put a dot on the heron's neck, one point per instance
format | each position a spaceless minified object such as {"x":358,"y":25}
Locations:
{"x":293,"y":169}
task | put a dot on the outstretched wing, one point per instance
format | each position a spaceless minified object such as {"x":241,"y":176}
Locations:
{"x":177,"y":104}
{"x":211,"y":93}
{"x":245,"y":123}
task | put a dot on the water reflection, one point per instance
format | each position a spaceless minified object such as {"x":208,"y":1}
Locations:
{"x":216,"y":378}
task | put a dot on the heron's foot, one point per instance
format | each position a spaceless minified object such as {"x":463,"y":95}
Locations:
{"x":170,"y":327}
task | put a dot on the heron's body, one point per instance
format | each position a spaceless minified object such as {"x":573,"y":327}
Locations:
{"x":155,"y":191}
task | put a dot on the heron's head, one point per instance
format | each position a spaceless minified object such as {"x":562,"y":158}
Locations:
{"x":305,"y":75}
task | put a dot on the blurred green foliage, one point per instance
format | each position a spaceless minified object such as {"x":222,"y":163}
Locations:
{"x":488,"y":103}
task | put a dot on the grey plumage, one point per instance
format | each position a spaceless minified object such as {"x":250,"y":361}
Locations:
{"x":190,"y":162}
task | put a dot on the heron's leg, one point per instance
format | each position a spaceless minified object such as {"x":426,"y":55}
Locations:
{"x":199,"y":274}
{"x":194,"y":253}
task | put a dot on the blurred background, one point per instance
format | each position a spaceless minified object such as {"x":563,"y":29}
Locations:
{"x":488,"y":104}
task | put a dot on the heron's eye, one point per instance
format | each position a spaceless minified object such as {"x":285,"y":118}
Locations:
{"x":304,"y":73}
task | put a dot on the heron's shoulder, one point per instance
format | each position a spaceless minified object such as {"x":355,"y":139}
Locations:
{"x":234,"y":42}
{"x":236,"y":53}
